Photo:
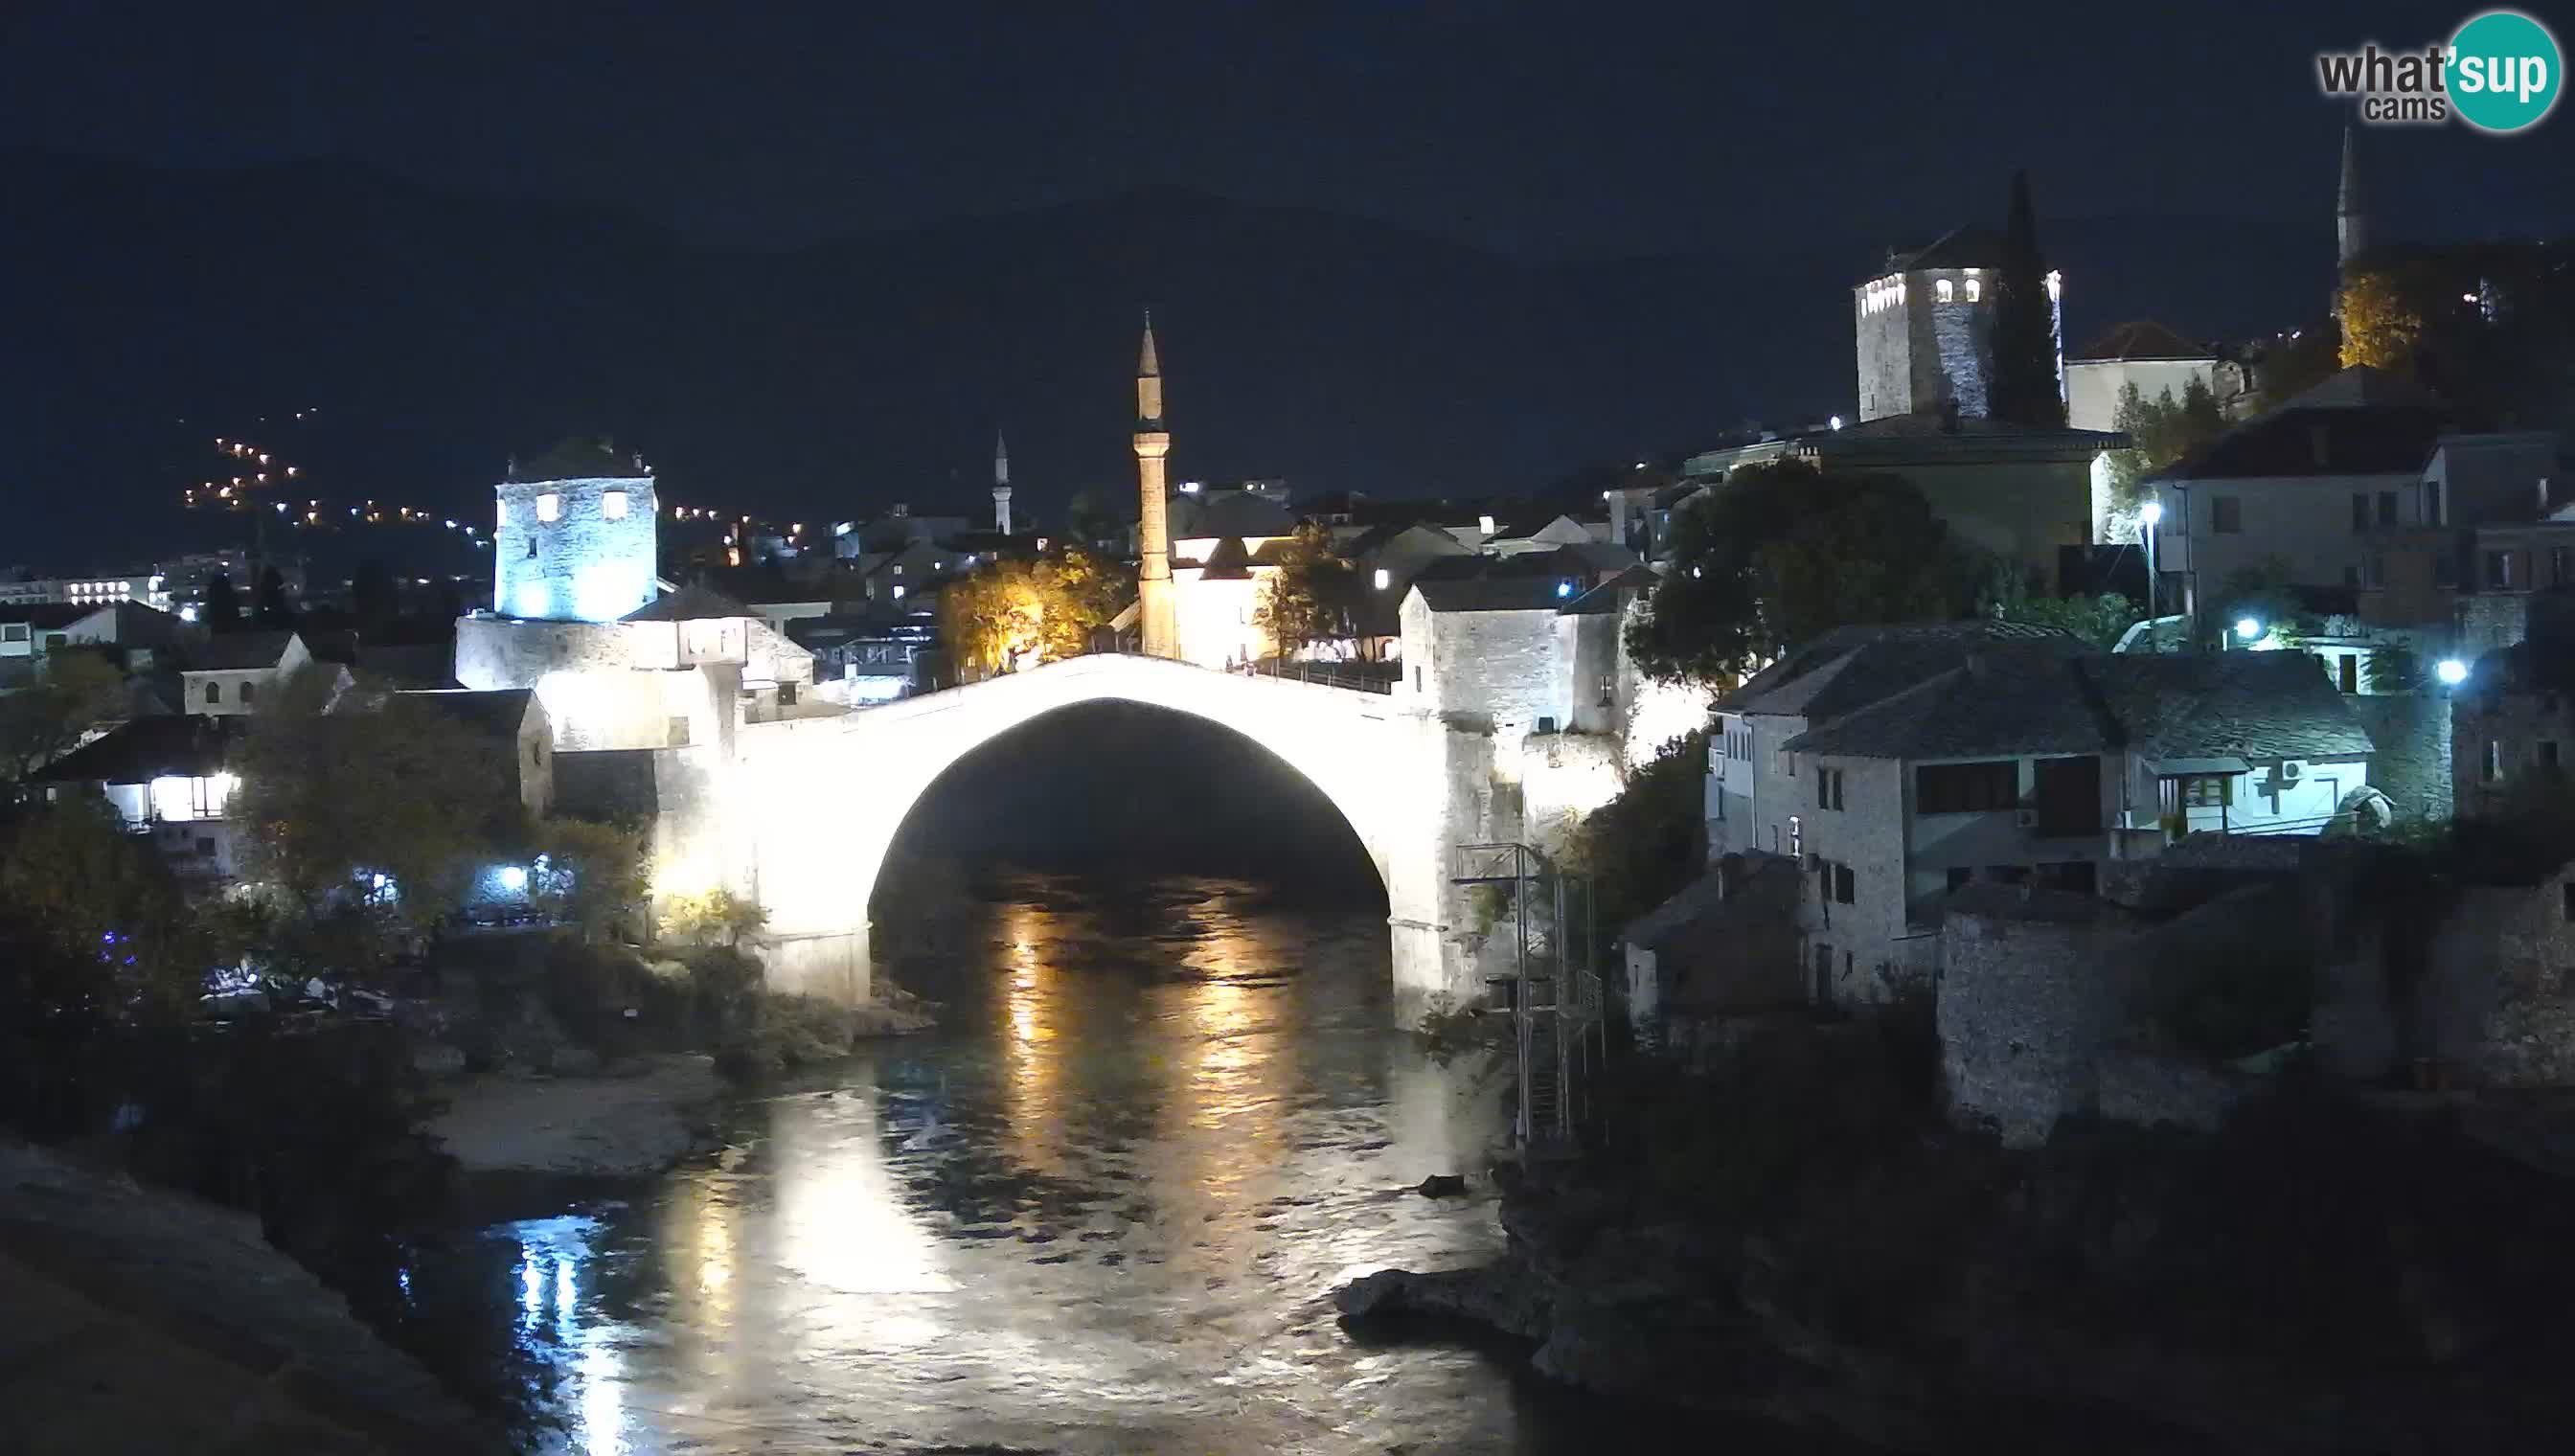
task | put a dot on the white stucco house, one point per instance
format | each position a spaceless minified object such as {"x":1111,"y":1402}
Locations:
{"x":235,"y":672}
{"x":167,"y":777}
{"x":1899,"y":765}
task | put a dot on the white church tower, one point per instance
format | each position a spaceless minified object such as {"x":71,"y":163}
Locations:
{"x":580,"y":550}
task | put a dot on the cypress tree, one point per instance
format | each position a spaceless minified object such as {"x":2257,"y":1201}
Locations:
{"x":2024,"y":390}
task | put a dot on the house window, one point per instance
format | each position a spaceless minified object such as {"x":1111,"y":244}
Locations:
{"x":2387,"y":508}
{"x":678,"y":731}
{"x":249,"y":691}
{"x":1829,"y":788}
{"x":1947,"y":290}
{"x":2359,"y":511}
{"x":214,"y":693}
{"x":1416,"y":679}
{"x":2431,"y":502}
{"x":2208,"y":790}
{"x":1842,"y":884}
{"x":2347,"y":673}
{"x":612,"y":505}
{"x":2546,"y":752}
{"x":2492,"y":770}
{"x":786,"y":695}
{"x":2498,"y":570}
{"x":1824,"y":975}
{"x":1976,"y":289}
{"x":1796,"y":838}
{"x":549,"y":506}
{"x":2561,"y":566}
{"x":2226,"y":515}
{"x":1952,"y":789}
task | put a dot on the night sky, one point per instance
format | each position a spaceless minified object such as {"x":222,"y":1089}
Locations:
{"x":1544,"y":135}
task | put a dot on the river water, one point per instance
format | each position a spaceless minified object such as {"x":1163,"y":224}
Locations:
{"x":1100,"y":1210}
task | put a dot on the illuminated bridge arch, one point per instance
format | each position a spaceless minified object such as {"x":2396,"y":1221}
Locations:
{"x":815,"y":802}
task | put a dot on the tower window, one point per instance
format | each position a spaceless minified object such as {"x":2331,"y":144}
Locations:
{"x":612,"y":505}
{"x":1948,"y":291}
{"x":1976,"y":289}
{"x":549,"y":506}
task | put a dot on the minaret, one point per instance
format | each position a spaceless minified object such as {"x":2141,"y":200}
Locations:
{"x":1000,"y":483}
{"x":1156,"y":614}
{"x":2351,"y":211}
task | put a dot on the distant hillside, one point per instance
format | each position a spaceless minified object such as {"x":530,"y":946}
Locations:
{"x":437,"y":333}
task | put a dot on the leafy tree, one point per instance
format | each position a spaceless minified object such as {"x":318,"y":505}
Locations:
{"x":331,"y":799}
{"x":41,"y":723}
{"x":222,"y":610}
{"x":112,"y":927}
{"x":271,"y":610}
{"x":2392,"y":667}
{"x":2099,"y":621}
{"x":715,"y":916}
{"x":1009,"y":612}
{"x":1778,"y":552}
{"x":2160,"y":431}
{"x":2382,"y":325}
{"x":2026,"y":390}
{"x":1312,"y":596}
{"x":1649,"y":840}
{"x":592,"y":872}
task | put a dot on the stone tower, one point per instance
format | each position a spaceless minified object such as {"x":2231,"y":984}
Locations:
{"x":1000,"y":483}
{"x":574,"y":550}
{"x":1157,"y":616}
{"x":2352,"y":210}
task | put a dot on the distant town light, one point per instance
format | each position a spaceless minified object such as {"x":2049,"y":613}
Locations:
{"x":2248,"y":627}
{"x":2451,"y":671}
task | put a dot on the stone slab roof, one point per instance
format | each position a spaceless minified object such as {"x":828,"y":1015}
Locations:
{"x":1869,"y":663}
{"x":496,"y":712}
{"x":690,"y":603}
{"x":2016,"y":702}
{"x":2143,"y":338}
{"x":145,"y":748}
{"x":234,"y":652}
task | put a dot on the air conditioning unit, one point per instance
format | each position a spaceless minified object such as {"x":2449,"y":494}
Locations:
{"x":2027,"y":819}
{"x":2291,"y":768}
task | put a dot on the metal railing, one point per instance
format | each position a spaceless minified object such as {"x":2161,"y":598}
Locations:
{"x":1551,"y":991}
{"x":1354,"y":677}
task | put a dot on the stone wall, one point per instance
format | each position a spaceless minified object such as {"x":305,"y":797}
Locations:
{"x":1885,"y":354}
{"x":2511,"y":725}
{"x":2412,"y":762}
{"x":2027,"y":1000}
{"x":2150,"y":1090}
{"x":1961,"y":340}
{"x":2497,"y":1005}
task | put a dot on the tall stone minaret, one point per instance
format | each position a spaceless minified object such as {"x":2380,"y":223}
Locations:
{"x":1000,"y":483}
{"x":1156,"y":615}
{"x":2352,"y":210}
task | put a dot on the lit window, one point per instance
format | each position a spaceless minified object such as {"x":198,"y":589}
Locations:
{"x":1947,"y":291}
{"x":1382,"y":577}
{"x":612,"y":505}
{"x":1976,"y":289}
{"x":549,"y":506}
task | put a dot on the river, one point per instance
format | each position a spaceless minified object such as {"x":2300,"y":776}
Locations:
{"x":1100,"y":1210}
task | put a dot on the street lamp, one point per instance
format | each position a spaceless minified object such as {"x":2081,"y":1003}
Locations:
{"x":2248,"y":627}
{"x":2451,"y":671}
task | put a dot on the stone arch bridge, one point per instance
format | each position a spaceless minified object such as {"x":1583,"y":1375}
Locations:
{"x":814,"y":803}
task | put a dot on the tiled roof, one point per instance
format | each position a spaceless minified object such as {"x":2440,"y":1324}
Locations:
{"x":2359,"y":422}
{"x":689,"y":603}
{"x":1490,"y":594}
{"x":45,"y":616}
{"x":1226,"y":513}
{"x":2144,"y":339}
{"x":239,"y":650}
{"x":497,"y":712}
{"x":145,"y":748}
{"x":1226,"y":560}
{"x":2255,"y":705}
{"x":1882,"y":659}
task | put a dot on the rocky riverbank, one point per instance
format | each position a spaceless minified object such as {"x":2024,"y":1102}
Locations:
{"x":2321,"y":1276}
{"x":626,"y":1121}
{"x":143,"y":1321}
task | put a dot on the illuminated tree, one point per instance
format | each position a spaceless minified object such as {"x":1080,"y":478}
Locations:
{"x":2160,"y":431}
{"x":1309,"y":599}
{"x":2382,"y":327}
{"x":711,"y":917}
{"x":590,"y":873}
{"x":332,"y":799}
{"x":1012,"y":613}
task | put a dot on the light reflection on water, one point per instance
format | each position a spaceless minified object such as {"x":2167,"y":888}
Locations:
{"x":1099,"y":1211}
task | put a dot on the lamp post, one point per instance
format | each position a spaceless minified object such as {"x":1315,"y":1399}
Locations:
{"x":2152,"y":515}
